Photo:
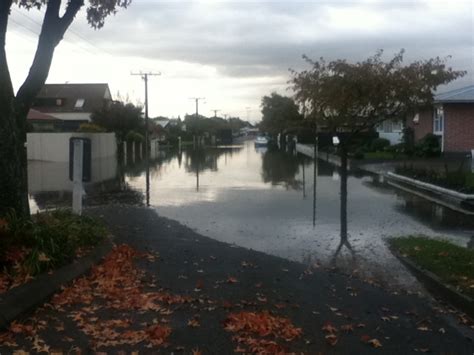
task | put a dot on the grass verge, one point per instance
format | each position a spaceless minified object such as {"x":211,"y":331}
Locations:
{"x":454,"y":265}
{"x":43,"y":243}
{"x":384,"y":156}
{"x":461,"y":181}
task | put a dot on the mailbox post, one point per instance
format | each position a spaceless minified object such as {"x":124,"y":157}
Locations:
{"x":79,"y":169}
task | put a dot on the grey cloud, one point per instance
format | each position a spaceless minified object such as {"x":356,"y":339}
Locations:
{"x":247,"y":39}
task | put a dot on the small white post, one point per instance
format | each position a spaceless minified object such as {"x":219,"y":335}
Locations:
{"x":472,"y":160}
{"x":133,"y":151}
{"x":125,"y":152}
{"x":77,"y":190}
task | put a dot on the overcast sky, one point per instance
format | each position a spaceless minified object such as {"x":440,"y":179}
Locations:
{"x":233,"y":53}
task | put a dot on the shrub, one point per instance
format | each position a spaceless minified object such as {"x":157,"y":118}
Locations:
{"x":358,"y":154}
{"x":428,"y":146}
{"x":408,"y":140}
{"x":48,"y":240}
{"x":379,"y":144}
{"x":91,"y":127}
{"x":134,"y":137}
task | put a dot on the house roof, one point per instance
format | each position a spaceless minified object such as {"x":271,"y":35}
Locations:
{"x":162,"y":122}
{"x":40,"y":116}
{"x":74,"y":97}
{"x":465,"y":94}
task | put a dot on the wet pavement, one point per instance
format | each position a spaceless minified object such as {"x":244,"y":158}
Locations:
{"x":169,"y":290}
{"x":263,"y":199}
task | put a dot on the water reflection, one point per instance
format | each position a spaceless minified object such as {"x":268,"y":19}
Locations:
{"x":50,"y":187}
{"x":269,"y":200}
{"x":280,"y":168}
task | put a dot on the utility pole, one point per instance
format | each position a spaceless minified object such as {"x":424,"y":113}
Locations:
{"x":145,"y":79}
{"x":197,"y":104}
{"x":248,"y":109}
{"x":215,"y":112}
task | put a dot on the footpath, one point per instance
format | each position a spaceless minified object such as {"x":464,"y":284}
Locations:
{"x":166,"y":289}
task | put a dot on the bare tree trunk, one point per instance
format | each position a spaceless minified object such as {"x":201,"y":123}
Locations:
{"x":14,"y":110}
{"x":13,"y":166}
{"x":13,"y":178}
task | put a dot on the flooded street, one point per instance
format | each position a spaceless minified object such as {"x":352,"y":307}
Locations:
{"x":264,"y":199}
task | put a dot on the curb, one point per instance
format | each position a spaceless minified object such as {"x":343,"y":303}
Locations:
{"x":24,"y":298}
{"x":436,"y":286}
{"x":461,"y":197}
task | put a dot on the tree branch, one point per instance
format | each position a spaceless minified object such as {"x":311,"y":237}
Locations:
{"x":71,"y":11}
{"x":52,"y":32}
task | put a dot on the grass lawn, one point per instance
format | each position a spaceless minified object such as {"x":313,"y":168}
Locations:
{"x":384,"y":156}
{"x":454,"y":265}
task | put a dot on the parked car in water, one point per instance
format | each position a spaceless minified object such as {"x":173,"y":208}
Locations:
{"x":261,"y":140}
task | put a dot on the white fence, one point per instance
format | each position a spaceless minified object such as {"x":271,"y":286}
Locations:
{"x":54,"y":147}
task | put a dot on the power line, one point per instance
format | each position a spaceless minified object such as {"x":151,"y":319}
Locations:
{"x":69,"y":31}
{"x":36,"y":34}
{"x":23,"y":26}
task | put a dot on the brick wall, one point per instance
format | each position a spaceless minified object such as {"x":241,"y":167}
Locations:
{"x":424,"y":125}
{"x":458,"y":127}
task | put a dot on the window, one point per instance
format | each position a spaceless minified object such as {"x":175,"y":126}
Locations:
{"x":438,"y":120}
{"x":389,"y":126}
{"x":79,"y":103}
{"x":397,"y":126}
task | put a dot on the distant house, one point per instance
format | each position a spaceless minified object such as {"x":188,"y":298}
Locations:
{"x":70,"y":104}
{"x":42,"y":122}
{"x":451,"y":118}
{"x":162,"y":122}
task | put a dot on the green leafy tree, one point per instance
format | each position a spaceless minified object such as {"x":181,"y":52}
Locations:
{"x":120,"y":118}
{"x":279,"y":113}
{"x":202,"y":124}
{"x":354,"y":97}
{"x":14,"y":107}
{"x":339,"y":96}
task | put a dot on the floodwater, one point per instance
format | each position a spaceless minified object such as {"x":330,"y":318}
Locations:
{"x":268,"y":200}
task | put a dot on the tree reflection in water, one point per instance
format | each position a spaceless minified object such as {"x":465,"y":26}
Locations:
{"x":343,"y":210}
{"x":280,"y":168}
{"x":201,"y":159}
